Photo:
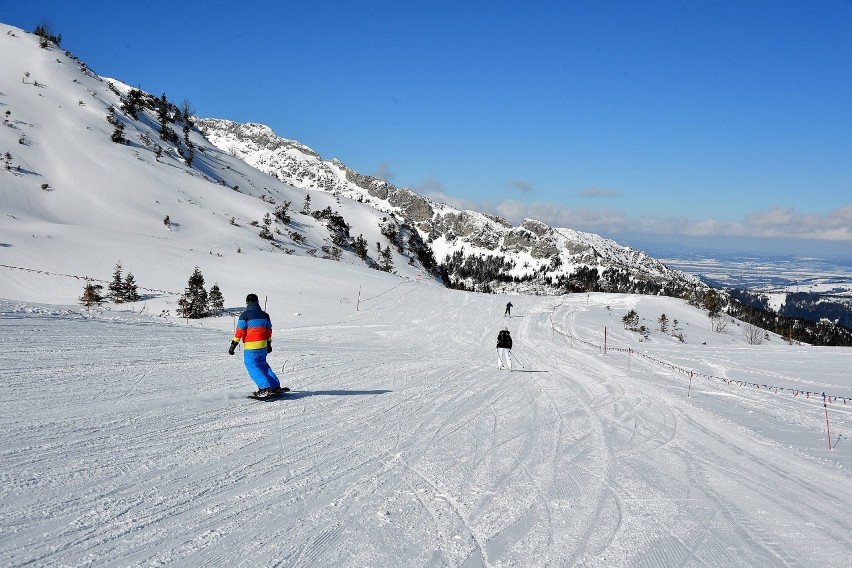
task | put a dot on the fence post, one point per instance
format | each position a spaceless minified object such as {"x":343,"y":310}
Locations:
{"x":827,"y":427}
{"x":690,"y":385}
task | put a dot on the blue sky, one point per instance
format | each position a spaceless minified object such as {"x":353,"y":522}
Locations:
{"x":723,"y":124}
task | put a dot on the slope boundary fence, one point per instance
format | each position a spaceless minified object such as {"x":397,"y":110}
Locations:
{"x":822,"y":397}
{"x":83,"y":278}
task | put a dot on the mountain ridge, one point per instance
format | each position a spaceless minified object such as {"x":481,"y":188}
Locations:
{"x":533,"y":245}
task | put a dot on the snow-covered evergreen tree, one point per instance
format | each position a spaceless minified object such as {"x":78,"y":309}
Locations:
{"x":194,"y":302}
{"x":116,"y":287}
{"x":216,"y":299}
{"x":130,"y":289}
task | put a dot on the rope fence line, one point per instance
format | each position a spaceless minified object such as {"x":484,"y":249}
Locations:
{"x":84,"y":278}
{"x":386,"y":291}
{"x":826,"y":398}
{"x":691,"y":373}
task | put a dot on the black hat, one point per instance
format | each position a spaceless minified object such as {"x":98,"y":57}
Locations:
{"x":252,"y":299}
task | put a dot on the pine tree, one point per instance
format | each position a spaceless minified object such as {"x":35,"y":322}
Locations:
{"x":664,"y":323}
{"x":360,"y":247}
{"x":111,"y":118}
{"x":190,"y":155}
{"x":265,"y":233}
{"x":130,"y":289}
{"x":163,"y":118}
{"x":92,"y":294}
{"x":134,"y":103}
{"x":46,"y":35}
{"x":306,"y":206}
{"x":631,"y":320}
{"x":281,"y":213}
{"x":387,"y":259}
{"x":116,"y":287}
{"x":118,"y":134}
{"x":217,"y":300}
{"x":193,"y":304}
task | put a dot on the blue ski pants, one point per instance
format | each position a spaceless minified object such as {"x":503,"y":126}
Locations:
{"x":259,"y":370}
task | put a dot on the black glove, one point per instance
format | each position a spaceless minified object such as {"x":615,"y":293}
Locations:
{"x":232,"y":347}
{"x":269,"y":346}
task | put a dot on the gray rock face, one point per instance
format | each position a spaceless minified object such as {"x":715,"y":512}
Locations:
{"x":415,"y":207}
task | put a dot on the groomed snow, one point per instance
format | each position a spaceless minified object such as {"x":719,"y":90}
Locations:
{"x":127,"y":440}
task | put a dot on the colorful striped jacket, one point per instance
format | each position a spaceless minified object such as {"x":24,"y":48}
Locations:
{"x":254,"y":328}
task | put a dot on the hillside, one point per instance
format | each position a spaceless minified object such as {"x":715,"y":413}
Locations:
{"x":66,"y":181}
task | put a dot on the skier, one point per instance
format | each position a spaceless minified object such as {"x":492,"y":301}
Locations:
{"x":254,"y":328}
{"x":504,"y":349}
{"x":508,"y":311}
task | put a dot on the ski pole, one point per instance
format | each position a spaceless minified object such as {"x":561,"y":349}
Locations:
{"x":516,"y":359}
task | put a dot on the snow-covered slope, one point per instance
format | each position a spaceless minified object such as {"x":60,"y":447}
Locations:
{"x":404,"y":445}
{"x":66,"y":186}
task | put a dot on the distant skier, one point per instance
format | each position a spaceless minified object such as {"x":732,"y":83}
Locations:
{"x":508,"y":310}
{"x":504,"y":349}
{"x":254,"y":328}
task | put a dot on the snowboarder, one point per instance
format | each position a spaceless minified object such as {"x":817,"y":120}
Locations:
{"x":504,"y":349}
{"x":508,"y":311}
{"x":254,"y":328}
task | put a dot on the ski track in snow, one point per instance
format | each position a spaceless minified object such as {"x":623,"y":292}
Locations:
{"x":401,"y":445}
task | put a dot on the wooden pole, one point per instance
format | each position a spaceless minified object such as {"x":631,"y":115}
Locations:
{"x":358,"y":304}
{"x":690,"y":385}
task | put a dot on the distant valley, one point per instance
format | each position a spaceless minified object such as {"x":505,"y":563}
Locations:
{"x":796,"y":286}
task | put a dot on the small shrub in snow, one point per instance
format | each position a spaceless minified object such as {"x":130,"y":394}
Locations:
{"x":631,"y":320}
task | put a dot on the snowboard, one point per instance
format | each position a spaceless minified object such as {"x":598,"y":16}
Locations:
{"x":284,"y":390}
